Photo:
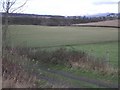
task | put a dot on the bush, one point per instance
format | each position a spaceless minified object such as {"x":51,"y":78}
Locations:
{"x":69,"y":58}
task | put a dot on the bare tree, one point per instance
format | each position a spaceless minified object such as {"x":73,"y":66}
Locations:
{"x":8,"y":7}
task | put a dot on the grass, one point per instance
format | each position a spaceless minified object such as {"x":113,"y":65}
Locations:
{"x":70,"y":82}
{"x":86,"y":73}
{"x":106,"y":50}
{"x":33,"y":67}
{"x":44,"y":36}
{"x":79,"y":38}
{"x":17,"y":72}
{"x":77,"y":72}
{"x":47,"y":57}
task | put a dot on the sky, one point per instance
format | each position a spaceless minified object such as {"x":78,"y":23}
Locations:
{"x":69,"y":7}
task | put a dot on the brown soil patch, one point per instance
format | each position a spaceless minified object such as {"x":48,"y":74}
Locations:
{"x":109,"y":23}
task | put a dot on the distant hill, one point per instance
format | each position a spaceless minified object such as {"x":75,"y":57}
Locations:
{"x":108,"y":23}
{"x":59,"y":16}
{"x":55,"y":20}
{"x":103,"y":14}
{"x":33,"y":15}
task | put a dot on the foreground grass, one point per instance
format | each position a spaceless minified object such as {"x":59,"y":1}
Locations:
{"x":86,"y":73}
{"x":36,"y":67}
{"x":71,"y":82}
{"x":108,"y":50}
{"x":80,"y":73}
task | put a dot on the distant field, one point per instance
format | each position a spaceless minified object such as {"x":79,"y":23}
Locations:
{"x":43,"y":36}
{"x":109,"y":23}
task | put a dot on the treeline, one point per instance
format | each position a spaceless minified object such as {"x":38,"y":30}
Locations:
{"x":49,"y":20}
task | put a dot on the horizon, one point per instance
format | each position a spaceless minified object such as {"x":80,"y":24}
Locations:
{"x":65,"y":16}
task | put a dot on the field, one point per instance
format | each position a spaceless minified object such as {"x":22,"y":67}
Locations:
{"x":101,"y":50}
{"x":94,"y":40}
{"x":44,"y":36}
{"x":108,"y":23}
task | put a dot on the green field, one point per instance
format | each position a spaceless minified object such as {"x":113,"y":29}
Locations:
{"x":104,"y":50}
{"x":40,"y":36}
{"x":96,"y":41}
{"x":80,"y":38}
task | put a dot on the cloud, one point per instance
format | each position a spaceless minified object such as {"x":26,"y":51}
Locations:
{"x":70,"y":7}
{"x":104,"y":3}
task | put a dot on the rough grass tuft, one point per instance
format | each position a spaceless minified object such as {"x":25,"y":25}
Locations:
{"x":70,"y":58}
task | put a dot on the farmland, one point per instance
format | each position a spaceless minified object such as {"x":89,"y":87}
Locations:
{"x":96,"y":41}
{"x":108,"y":23}
{"x":41,"y":36}
{"x":59,"y":46}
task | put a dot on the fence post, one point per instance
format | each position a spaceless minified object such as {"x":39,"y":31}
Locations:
{"x":108,"y":57}
{"x":93,"y":54}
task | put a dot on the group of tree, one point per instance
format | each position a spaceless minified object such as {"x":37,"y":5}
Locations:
{"x":52,"y":20}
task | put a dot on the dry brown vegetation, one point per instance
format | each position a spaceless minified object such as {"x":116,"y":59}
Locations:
{"x":15,"y":77}
{"x":70,"y":58}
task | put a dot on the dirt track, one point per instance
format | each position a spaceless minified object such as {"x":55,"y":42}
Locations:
{"x":78,"y":78}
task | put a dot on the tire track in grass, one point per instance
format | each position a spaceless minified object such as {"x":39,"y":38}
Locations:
{"x":67,"y":75}
{"x":53,"y":80}
{"x":99,"y":83}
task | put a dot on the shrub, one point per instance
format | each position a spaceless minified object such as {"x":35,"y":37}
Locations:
{"x":69,"y":58}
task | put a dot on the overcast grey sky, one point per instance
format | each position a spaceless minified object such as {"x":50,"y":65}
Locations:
{"x":70,"y":7}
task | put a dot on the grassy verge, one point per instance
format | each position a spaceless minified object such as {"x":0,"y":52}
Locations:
{"x":31,"y":62}
{"x":69,"y":82}
{"x":86,"y":73}
{"x":101,"y":50}
{"x":59,"y":58}
{"x":17,"y":72}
